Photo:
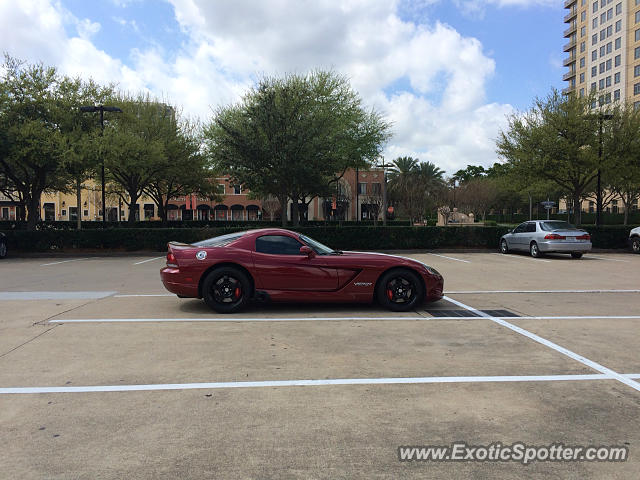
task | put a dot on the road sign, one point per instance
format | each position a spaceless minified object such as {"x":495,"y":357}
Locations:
{"x":548,"y":204}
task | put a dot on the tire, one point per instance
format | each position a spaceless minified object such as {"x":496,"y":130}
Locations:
{"x":576,"y":255}
{"x":534,"y":250}
{"x":3,"y":249}
{"x":504,"y":247}
{"x":400,"y":290}
{"x":226,"y":289}
{"x":635,"y":245}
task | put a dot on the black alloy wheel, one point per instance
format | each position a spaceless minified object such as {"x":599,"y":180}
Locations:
{"x":226,"y":290}
{"x":400,"y":290}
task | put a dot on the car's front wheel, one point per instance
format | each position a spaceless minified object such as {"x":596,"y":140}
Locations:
{"x":226,"y":289}
{"x":635,"y":245}
{"x":3,"y":249}
{"x":534,"y":250}
{"x":400,"y":290}
{"x":504,"y":248}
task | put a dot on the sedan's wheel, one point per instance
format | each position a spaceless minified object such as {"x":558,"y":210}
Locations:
{"x":576,"y":255}
{"x":226,"y":289}
{"x":534,"y":250}
{"x":3,"y":249}
{"x":504,"y":248}
{"x":400,"y":290}
{"x":635,"y":245}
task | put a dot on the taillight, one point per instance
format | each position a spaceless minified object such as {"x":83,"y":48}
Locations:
{"x":171,"y":259}
{"x":554,"y":236}
{"x":584,"y":237}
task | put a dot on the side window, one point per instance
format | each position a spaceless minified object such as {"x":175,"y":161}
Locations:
{"x":278,"y":245}
{"x":520,"y":228}
{"x":531,"y":227}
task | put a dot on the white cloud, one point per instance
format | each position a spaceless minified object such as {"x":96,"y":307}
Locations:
{"x":443,"y":117}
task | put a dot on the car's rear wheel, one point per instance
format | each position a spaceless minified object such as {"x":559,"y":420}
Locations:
{"x":226,"y":289}
{"x":534,"y":250}
{"x":635,"y":245}
{"x":576,"y":255}
{"x":400,"y":290}
{"x":3,"y":249}
{"x":504,"y":248}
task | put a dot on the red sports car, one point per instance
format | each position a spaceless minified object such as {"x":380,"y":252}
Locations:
{"x":284,"y":266}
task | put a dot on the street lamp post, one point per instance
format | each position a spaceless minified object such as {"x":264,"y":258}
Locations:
{"x":384,"y":192}
{"x":101,"y":109}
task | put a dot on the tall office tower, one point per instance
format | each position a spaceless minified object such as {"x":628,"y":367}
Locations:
{"x":603,"y":48}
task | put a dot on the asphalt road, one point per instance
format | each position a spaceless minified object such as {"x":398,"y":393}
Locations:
{"x":103,"y":374}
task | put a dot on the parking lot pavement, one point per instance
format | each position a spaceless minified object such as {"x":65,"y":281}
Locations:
{"x":152,"y":386}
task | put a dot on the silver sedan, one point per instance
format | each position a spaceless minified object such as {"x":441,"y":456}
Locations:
{"x":544,"y":236}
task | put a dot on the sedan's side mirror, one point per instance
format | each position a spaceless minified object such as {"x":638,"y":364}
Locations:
{"x":308,"y":251}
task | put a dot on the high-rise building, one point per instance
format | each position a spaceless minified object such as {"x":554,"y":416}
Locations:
{"x":603,"y":49}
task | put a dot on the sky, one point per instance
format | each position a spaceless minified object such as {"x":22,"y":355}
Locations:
{"x":445,"y":73}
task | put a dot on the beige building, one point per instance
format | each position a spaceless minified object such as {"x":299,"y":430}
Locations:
{"x":603,"y":49}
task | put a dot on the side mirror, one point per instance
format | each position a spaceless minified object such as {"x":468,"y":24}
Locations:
{"x":308,"y":251}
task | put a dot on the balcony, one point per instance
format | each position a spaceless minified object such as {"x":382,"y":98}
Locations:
{"x":569,"y":74}
{"x":571,"y":15}
{"x":569,"y":45}
{"x":568,"y":61}
{"x":572,"y":28}
{"x":568,"y":3}
{"x":568,"y":90}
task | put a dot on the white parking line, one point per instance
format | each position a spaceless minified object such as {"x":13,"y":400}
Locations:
{"x":236,"y":319}
{"x":146,"y":295}
{"x":521,"y":257}
{"x":148,"y":260}
{"x":579,"y":358}
{"x":310,"y":383}
{"x":54,"y":295}
{"x":64,"y":261}
{"x":449,"y":258}
{"x":459,"y":292}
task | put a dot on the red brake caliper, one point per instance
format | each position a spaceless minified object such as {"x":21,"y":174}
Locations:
{"x":390,"y":294}
{"x":237,"y":292}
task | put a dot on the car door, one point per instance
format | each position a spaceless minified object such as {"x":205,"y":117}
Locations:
{"x":518,"y":237}
{"x":279,"y":265}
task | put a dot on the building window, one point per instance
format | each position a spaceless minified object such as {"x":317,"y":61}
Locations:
{"x":608,"y":65}
{"x":595,"y":7}
{"x":603,"y":18}
{"x":616,"y":77}
{"x":601,"y":84}
{"x":583,"y":16}
{"x":376,"y":188}
{"x":636,"y":71}
{"x":609,"y":47}
{"x":636,"y":53}
{"x":614,"y":206}
{"x":636,"y":106}
{"x":594,"y":39}
{"x":602,"y":65}
{"x":594,"y":71}
{"x":583,"y":47}
{"x":636,"y":89}
{"x":638,"y":16}
{"x":593,"y":86}
{"x":603,"y":34}
{"x":616,"y":95}
{"x":362,"y":188}
{"x":610,"y":14}
{"x":609,"y":31}
{"x":603,"y":49}
{"x":637,"y":35}
{"x":618,"y":25}
{"x":594,"y":23}
{"x":237,"y":189}
{"x":221,"y":188}
{"x":608,"y":81}
{"x":594,"y":55}
{"x":582,"y":78}
{"x":582,"y":92}
{"x":603,"y":3}
{"x":616,"y":61}
{"x":582,"y":62}
{"x":619,"y":8}
{"x":618,"y":43}
{"x":583,"y":31}
{"x":591,"y":206}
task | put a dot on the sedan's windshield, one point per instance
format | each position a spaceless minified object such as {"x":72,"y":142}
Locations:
{"x":556,"y":225}
{"x":319,"y":248}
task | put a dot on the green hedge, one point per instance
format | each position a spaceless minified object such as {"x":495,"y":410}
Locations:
{"x":344,"y":238}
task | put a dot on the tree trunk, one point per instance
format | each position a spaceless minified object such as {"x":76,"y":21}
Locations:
{"x":577,"y":211}
{"x":132,"y":214}
{"x":79,"y":203}
{"x":33,"y":213}
{"x":283,"y":209}
{"x":162,"y":213}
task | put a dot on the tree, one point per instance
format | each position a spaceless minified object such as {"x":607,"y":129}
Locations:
{"x":415,"y":186}
{"x":622,"y":144}
{"x":33,"y":147}
{"x":477,"y":195}
{"x":292,"y":137}
{"x":556,"y":140}
{"x":182,"y":169}
{"x":134,"y":146}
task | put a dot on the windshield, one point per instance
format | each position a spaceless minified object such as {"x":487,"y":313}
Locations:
{"x":556,"y":225}
{"x":219,"y":241}
{"x":319,"y":248}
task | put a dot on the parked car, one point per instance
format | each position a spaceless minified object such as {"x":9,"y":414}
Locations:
{"x":634,"y":239}
{"x":284,"y":266}
{"x":3,"y":245}
{"x":545,"y":236}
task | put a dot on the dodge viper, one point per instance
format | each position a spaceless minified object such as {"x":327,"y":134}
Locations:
{"x":279,"y":265}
